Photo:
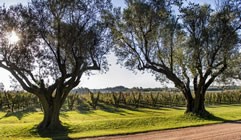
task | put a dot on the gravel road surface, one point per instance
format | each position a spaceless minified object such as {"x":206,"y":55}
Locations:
{"x":225,"y":131}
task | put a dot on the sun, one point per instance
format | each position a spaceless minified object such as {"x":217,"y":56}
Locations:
{"x":12,"y":37}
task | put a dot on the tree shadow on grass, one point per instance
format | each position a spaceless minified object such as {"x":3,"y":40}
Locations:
{"x":206,"y":116}
{"x":83,"y":107}
{"x":58,"y":134}
{"x":109,"y":108}
{"x":178,"y":107}
{"x":212,"y":117}
{"x":20,"y":114}
{"x":84,"y":110}
{"x":122,"y":109}
{"x":222,"y":105}
{"x":215,"y":118}
{"x":234,"y":122}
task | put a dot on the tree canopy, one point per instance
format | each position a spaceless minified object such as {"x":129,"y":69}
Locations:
{"x":59,"y":42}
{"x":191,"y":49}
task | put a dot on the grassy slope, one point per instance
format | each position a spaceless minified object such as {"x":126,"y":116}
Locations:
{"x":111,"y":121}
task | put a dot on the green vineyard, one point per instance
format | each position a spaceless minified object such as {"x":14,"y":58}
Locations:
{"x":13,"y":102}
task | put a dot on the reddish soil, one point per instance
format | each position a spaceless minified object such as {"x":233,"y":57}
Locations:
{"x":225,"y":131}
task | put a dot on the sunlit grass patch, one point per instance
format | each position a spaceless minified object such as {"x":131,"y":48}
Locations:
{"x":103,"y":122}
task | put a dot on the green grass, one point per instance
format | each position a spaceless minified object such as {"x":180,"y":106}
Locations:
{"x":111,"y":121}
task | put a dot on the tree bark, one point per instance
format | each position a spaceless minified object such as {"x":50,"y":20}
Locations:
{"x":189,"y":106}
{"x":195,"y":105}
{"x":51,"y":110}
{"x":199,"y":106}
{"x":189,"y":99}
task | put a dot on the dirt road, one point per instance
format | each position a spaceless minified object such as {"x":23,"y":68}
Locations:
{"x":225,"y":131}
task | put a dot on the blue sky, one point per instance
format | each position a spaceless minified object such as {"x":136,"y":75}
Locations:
{"x":115,"y":76}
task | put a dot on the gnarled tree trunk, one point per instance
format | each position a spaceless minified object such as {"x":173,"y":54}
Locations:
{"x":199,"y":106}
{"x":189,"y":104}
{"x":196,"y":104}
{"x":51,"y":110}
{"x":189,"y":99}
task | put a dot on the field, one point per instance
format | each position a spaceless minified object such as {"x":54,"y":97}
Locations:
{"x":110,"y":121}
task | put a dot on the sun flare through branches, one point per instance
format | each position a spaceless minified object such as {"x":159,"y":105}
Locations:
{"x":12,"y":37}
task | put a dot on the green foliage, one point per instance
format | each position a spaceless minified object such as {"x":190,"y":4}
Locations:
{"x":94,"y":100}
{"x":16,"y":102}
{"x":226,"y":97}
{"x":19,"y":101}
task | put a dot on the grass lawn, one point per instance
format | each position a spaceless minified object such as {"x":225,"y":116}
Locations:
{"x":110,"y":121}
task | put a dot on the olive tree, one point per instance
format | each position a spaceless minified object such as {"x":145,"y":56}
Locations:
{"x":191,"y":49}
{"x":233,"y":73}
{"x":58,"y":42}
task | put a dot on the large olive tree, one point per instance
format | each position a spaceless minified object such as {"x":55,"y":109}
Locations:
{"x":60,"y":40}
{"x":191,"y":49}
